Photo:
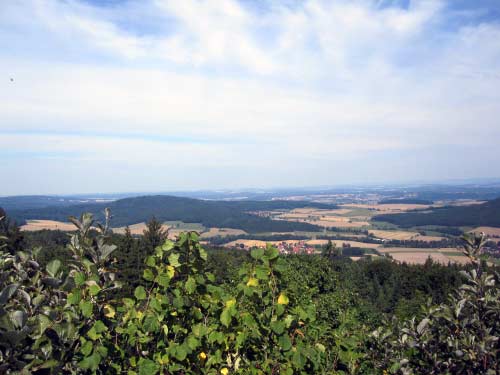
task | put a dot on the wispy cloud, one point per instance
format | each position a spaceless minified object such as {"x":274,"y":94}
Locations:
{"x":254,"y":91}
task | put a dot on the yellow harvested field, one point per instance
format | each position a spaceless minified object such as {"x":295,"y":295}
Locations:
{"x":388,"y":208}
{"x":450,"y":250}
{"x":34,"y":225}
{"x":355,"y":259}
{"x":135,"y":229}
{"x":421,"y":257}
{"x":428,"y":238}
{"x":393,"y":235}
{"x":490,"y":231}
{"x":459,"y":259}
{"x":339,"y":243}
{"x":247,"y":243}
{"x":328,"y":223}
{"x":222,"y":232}
{"x":319,"y":212}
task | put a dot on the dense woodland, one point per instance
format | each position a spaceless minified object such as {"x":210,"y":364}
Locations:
{"x":486,"y":214}
{"x":96,"y":302}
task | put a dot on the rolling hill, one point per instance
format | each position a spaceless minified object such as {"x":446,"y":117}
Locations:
{"x":229,"y":214}
{"x":486,"y":214}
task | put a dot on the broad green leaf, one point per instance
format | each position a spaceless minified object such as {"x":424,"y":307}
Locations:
{"x":148,"y":275}
{"x":148,"y":367}
{"x":278,"y":327}
{"x":91,"y":362}
{"x":173,"y":260}
{"x":168,"y":245}
{"x":87,"y":308}
{"x":225,"y":317}
{"x":257,"y":253}
{"x":190,"y":285}
{"x":53,"y":267}
{"x":192,"y":342}
{"x":87,"y":348}
{"x":79,"y":278}
{"x":140,"y":293}
{"x":284,"y":342}
{"x":271,"y":252}
{"x":94,"y":289}
{"x":74,"y":297}
{"x":203,"y":254}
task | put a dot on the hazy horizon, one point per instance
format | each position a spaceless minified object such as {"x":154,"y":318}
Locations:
{"x":161,"y":95}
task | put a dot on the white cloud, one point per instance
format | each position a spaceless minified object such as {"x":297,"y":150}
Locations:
{"x":301,"y":86}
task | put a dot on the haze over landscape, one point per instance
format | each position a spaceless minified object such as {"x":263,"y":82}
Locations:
{"x":157,"y":95}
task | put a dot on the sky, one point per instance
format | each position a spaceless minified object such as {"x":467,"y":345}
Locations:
{"x":160,"y":95}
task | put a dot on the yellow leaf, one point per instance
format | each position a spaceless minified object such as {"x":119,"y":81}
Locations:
{"x":170,"y":271}
{"x":253,"y":282}
{"x":109,"y":311}
{"x":283,"y":299}
{"x":230,"y":303}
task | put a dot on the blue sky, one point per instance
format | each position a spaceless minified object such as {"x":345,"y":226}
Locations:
{"x":157,"y":95}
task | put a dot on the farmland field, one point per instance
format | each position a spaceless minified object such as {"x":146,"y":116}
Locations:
{"x":490,"y":231}
{"x":222,"y":232}
{"x":339,"y":243}
{"x":135,"y":229}
{"x":34,"y":225}
{"x":420,"y":255}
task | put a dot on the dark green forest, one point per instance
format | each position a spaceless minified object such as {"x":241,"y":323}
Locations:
{"x":231,"y":214}
{"x":486,"y":214}
{"x":96,"y":302}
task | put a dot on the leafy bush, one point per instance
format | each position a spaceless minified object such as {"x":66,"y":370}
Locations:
{"x":181,"y":322}
{"x":457,"y":337}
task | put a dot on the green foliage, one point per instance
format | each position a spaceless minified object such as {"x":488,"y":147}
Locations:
{"x":52,"y":321}
{"x":261,"y":313}
{"x":460,"y":336}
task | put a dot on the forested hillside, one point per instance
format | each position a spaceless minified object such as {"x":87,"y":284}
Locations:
{"x":234,"y":214}
{"x":486,"y":214}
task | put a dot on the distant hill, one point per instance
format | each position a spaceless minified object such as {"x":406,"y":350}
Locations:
{"x":229,"y":214}
{"x":24,"y":202}
{"x":486,"y":214}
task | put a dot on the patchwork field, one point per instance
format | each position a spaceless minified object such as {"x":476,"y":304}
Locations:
{"x":337,"y":218}
{"x":34,"y":225}
{"x":247,"y":243}
{"x":419,"y":255}
{"x":222,"y":232}
{"x":135,"y":229}
{"x":340,"y":243}
{"x":403,"y":235}
{"x":389,"y":207}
